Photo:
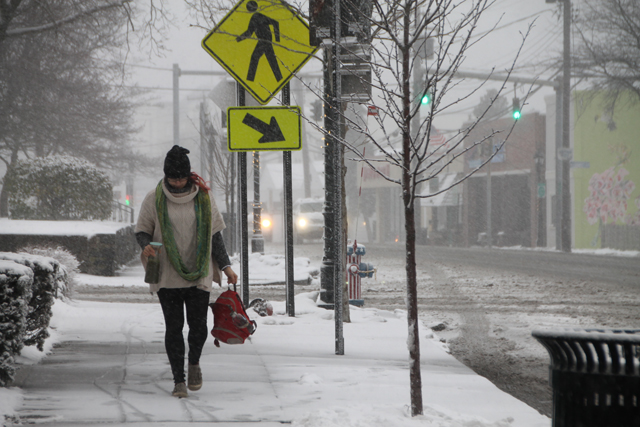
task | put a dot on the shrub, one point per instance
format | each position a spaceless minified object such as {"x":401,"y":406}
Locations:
{"x":28,"y":286}
{"x":48,"y":274}
{"x":58,"y":188}
{"x":15,"y":292}
{"x":65,"y":279}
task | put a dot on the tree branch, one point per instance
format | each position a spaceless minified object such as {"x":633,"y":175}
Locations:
{"x":55,"y":24}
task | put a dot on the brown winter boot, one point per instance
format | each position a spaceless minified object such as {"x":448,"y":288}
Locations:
{"x":180,"y":390}
{"x":194,"y":377}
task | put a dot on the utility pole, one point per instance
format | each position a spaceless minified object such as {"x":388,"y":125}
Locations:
{"x":563,"y":153}
{"x":489,"y":207}
{"x":176,"y":104}
{"x":566,"y":122}
{"x":557,"y":214}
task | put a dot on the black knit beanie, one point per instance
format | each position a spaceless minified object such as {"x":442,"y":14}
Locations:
{"x":176,"y":164}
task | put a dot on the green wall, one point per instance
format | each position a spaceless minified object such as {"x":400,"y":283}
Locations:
{"x":609,"y":190}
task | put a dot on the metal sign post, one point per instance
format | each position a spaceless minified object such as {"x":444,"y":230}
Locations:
{"x":244,"y":234}
{"x":288,"y":216}
{"x":282,"y":37}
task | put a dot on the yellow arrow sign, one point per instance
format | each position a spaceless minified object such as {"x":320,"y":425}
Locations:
{"x":262,"y":44}
{"x":263,"y":128}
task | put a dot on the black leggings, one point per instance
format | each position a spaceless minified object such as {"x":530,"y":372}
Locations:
{"x":173,"y":302}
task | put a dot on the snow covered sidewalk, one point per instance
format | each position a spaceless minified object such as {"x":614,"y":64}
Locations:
{"x":110,"y":368}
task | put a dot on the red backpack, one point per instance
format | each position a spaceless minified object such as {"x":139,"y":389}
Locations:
{"x":231,"y":324}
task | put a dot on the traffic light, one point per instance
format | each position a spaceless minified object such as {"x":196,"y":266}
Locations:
{"x":425,"y":96}
{"x":316,"y":110}
{"x":127,"y":200}
{"x":320,"y":19}
{"x":516,"y":109}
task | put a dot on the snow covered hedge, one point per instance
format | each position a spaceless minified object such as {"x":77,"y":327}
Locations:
{"x":28,"y":287}
{"x":66,"y":272}
{"x":58,"y":188}
{"x":15,"y":293}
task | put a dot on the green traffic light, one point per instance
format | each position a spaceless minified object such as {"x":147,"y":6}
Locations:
{"x":516,"y":109}
{"x":426,"y":99}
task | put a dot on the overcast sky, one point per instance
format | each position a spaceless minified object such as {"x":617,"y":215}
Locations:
{"x":497,"y":49}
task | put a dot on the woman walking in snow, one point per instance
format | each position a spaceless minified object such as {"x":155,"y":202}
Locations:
{"x":181,"y":214}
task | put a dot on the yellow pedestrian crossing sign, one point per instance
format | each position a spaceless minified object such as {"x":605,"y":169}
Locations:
{"x":263,"y":128}
{"x":262,"y":44}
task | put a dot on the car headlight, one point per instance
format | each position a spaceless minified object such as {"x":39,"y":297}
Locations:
{"x":266,"y":223}
{"x":302,"y":222}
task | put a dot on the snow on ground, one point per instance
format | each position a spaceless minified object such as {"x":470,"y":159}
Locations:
{"x":305,"y":382}
{"x":368,"y":386}
{"x":265,"y":269}
{"x":290,"y":372}
{"x":59,"y":228}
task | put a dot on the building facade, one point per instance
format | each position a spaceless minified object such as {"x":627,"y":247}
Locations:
{"x":505,"y":197}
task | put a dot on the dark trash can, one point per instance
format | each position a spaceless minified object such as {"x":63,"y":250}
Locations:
{"x":595,"y":376}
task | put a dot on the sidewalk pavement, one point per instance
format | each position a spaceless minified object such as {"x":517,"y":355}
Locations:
{"x":110,"y":367}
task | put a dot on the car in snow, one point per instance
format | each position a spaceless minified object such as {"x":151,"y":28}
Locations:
{"x":308,"y":221}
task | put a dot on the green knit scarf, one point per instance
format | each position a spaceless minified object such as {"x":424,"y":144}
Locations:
{"x":203,"y":235}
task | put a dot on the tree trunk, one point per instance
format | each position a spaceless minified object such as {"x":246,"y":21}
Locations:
{"x":412,"y":306}
{"x":4,"y":196}
{"x":4,"y":200}
{"x":408,"y":188}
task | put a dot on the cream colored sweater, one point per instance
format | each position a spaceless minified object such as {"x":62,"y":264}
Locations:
{"x":182,"y":214}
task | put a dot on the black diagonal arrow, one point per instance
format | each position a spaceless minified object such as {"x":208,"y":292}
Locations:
{"x":270,"y":131}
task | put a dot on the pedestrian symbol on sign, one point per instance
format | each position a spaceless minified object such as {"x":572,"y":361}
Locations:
{"x":260,"y":25}
{"x":262,"y":44}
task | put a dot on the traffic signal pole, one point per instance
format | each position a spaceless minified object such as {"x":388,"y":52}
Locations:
{"x":288,"y":217}
{"x":327,"y":296}
{"x":336,"y":148}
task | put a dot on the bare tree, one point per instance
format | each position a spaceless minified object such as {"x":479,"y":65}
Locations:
{"x":61,"y":75}
{"x":400,"y":30}
{"x":608,"y":49}
{"x":17,"y":17}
